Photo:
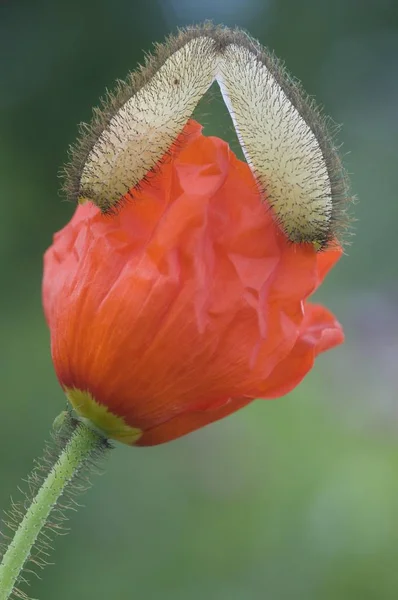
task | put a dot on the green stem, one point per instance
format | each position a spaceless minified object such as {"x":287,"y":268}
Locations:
{"x":83,"y":443}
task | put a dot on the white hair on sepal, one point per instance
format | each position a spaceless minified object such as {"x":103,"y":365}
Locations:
{"x":286,"y":142}
{"x":138,"y":124}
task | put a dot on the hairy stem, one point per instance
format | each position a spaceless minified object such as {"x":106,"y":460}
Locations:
{"x":82,"y":445}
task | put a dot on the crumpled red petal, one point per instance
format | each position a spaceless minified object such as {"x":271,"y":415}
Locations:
{"x":186,"y":299}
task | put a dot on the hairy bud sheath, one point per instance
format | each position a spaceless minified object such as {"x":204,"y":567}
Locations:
{"x":283,"y":135}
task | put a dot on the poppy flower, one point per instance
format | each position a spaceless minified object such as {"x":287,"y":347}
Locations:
{"x":185,"y":305}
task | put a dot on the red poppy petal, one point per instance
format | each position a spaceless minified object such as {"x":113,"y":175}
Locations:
{"x":327,"y":259}
{"x":320,"y":331}
{"x":188,"y":422}
{"x":188,"y":297}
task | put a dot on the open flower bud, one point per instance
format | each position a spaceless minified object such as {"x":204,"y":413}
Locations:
{"x":185,"y":305}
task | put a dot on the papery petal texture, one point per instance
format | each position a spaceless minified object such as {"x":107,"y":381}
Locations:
{"x":189,"y":302}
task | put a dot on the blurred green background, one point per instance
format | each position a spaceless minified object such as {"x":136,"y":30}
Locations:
{"x":291,"y":499}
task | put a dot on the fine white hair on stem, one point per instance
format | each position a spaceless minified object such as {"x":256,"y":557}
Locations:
{"x":285,"y":138}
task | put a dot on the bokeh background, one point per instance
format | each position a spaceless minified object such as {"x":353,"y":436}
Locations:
{"x":291,"y":499}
